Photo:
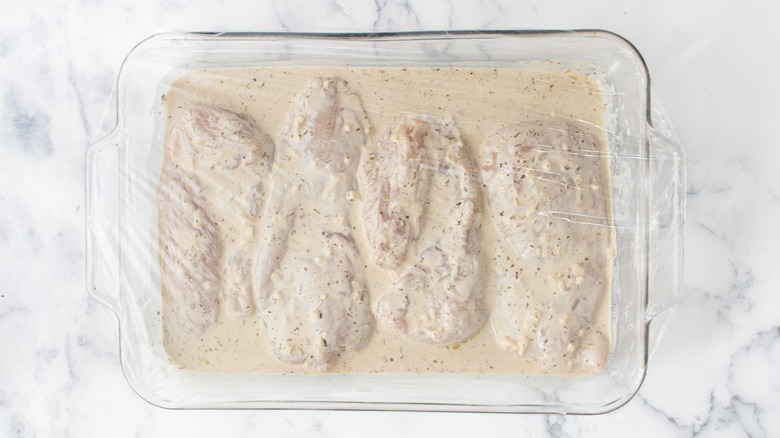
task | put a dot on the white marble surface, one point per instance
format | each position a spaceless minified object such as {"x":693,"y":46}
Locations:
{"x":714,"y":66}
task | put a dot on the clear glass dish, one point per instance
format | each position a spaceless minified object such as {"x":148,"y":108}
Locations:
{"x":648,"y":179}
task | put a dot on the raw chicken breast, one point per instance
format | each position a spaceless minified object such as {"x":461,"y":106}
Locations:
{"x":394,"y":190}
{"x":545,"y":184}
{"x":210,"y":139}
{"x":189,"y":254}
{"x":232,"y":158}
{"x":420,"y":196}
{"x":310,"y":284}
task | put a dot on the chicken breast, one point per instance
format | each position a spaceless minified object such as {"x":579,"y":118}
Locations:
{"x":309,"y":275}
{"x":394,"y":186}
{"x":232,"y":158}
{"x":546,"y":189}
{"x":189,"y":254}
{"x":420,"y":196}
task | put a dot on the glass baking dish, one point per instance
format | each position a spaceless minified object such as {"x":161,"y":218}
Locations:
{"x":647,"y":174}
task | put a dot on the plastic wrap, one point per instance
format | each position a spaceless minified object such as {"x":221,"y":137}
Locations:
{"x":416,"y":148}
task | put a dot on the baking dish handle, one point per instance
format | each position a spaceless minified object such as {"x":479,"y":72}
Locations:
{"x":102,"y":220}
{"x":666,"y":202}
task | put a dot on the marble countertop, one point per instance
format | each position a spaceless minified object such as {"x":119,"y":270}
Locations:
{"x":714,"y":67}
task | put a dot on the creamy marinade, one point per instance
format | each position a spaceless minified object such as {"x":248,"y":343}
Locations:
{"x":482,"y":109}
